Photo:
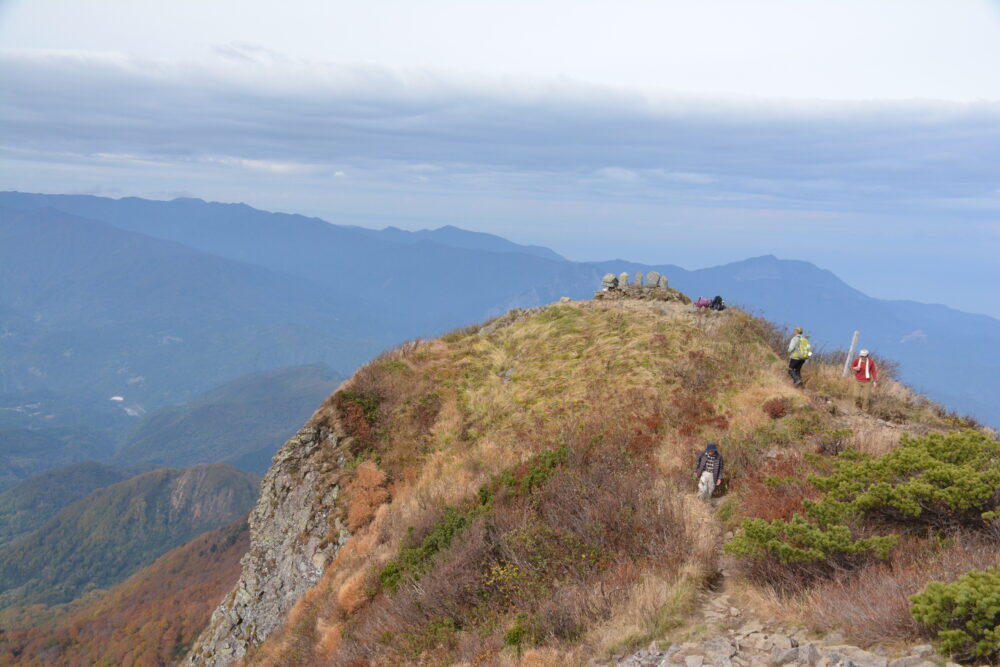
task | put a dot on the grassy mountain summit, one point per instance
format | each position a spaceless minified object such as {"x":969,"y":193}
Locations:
{"x":524,"y":488}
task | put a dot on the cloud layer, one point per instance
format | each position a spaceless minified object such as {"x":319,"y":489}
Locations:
{"x":382,"y":145}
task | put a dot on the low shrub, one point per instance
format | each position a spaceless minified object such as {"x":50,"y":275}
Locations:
{"x":873,"y":604}
{"x":359,"y":415}
{"x":776,"y":408}
{"x":833,"y":441}
{"x":939,"y":480}
{"x":942,"y":480}
{"x":537,"y":557}
{"x":775,"y":490}
{"x":414,"y":561}
{"x":790,"y":554}
{"x":964,"y":614}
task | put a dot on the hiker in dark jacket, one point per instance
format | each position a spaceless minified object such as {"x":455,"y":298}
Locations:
{"x":708,"y":470}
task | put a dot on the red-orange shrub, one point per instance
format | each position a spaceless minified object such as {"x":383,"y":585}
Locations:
{"x":776,"y":408}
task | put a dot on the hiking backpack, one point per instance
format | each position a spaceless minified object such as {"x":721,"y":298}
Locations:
{"x":718,"y":303}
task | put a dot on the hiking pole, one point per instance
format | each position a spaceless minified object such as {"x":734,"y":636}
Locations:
{"x":850,"y":353}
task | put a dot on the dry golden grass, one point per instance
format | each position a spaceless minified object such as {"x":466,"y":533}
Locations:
{"x":871,"y":437}
{"x":365,"y":493}
{"x":454,"y":413}
{"x":873,"y":605}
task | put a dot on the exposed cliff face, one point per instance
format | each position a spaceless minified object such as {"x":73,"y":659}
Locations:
{"x":295,"y":529}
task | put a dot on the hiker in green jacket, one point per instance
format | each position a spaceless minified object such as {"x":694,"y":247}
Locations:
{"x":799,"y":350}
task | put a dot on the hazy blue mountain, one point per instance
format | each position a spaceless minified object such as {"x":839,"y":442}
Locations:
{"x":242,"y":422}
{"x":104,"y":537}
{"x":421,"y":285}
{"x":42,"y":429}
{"x":450,"y":235}
{"x":25,"y":452}
{"x":37,"y":499}
{"x":99,"y":310}
{"x":419,"y":288}
{"x":945,"y":353}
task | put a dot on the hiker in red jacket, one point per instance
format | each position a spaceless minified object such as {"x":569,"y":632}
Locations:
{"x":865,"y":377}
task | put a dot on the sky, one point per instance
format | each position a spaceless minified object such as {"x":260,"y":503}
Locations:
{"x":861,"y":136}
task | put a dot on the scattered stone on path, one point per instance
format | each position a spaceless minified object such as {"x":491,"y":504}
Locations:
{"x":748,"y":628}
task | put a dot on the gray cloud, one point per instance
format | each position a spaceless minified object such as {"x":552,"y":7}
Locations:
{"x":287,"y":117}
{"x":588,"y":169}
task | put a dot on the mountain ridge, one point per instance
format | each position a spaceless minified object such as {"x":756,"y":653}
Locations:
{"x":107,"y":535}
{"x":493,"y":484}
{"x":424,"y":289}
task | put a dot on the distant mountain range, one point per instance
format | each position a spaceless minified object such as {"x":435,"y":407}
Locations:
{"x":142,"y":334}
{"x":37,"y":499}
{"x":247,"y":290}
{"x":153,"y":617}
{"x":107,"y":535}
{"x":240,"y":422}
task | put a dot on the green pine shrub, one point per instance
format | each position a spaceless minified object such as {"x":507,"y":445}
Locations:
{"x":965,"y":614}
{"x":414,"y":561}
{"x":938,"y":480}
{"x":941,"y":480}
{"x":788,"y":554}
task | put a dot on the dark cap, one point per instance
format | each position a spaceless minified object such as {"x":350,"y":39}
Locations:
{"x":711,"y":447}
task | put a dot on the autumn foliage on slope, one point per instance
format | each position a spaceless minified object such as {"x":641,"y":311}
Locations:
{"x":526,"y":487}
{"x":150,"y":619}
{"x":522,"y":492}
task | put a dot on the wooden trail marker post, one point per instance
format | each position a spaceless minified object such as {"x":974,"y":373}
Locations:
{"x":850,"y":353}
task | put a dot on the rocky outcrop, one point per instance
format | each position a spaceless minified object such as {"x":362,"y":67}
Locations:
{"x":752,"y":643}
{"x":755,"y":647}
{"x":296,"y":528}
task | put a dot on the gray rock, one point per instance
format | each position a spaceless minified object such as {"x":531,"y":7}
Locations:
{"x":907,"y":661}
{"x":784,"y":656}
{"x":622,"y":279}
{"x":290,"y":526}
{"x":662,"y":282}
{"x":808,"y":654}
{"x":834,"y":660}
{"x":749,"y":628}
{"x":782,"y":642}
{"x":694,"y":661}
{"x":653,"y":278}
{"x":855,"y":656}
{"x":720,"y":646}
{"x":638,"y":278}
{"x":925,"y":650}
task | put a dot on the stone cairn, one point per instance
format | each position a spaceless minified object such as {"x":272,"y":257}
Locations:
{"x":654,"y":288}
